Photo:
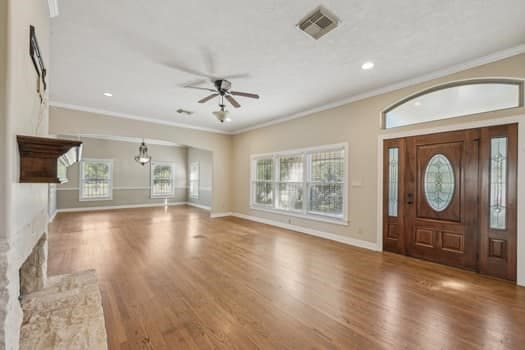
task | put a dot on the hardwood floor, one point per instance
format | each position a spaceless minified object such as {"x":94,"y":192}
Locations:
{"x":175,"y":279}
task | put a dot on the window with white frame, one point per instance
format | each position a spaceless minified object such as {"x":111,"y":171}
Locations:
{"x":162,"y":179}
{"x":263,"y":182}
{"x":310,"y":182}
{"x":194,"y":180}
{"x":96,"y":179}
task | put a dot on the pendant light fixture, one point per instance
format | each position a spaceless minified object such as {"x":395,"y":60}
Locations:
{"x":143,"y":158}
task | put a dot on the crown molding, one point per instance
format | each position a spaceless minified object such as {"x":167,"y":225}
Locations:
{"x":122,"y":139}
{"x":496,"y":56}
{"x":58,"y":104}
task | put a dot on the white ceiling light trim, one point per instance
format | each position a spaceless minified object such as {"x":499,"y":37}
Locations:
{"x":53,"y":8}
{"x":494,"y":57}
{"x":133,"y":117}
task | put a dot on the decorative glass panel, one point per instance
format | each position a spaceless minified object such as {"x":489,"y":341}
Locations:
{"x":498,"y":183}
{"x":393,"y":187}
{"x":439,"y":182}
{"x":454,"y":101}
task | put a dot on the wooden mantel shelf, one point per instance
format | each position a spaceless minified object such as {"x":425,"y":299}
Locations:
{"x":41,"y":157}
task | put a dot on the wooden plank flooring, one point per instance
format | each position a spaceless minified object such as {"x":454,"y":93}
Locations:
{"x":175,"y":279}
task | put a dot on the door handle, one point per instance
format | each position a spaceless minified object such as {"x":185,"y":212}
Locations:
{"x":410,"y":198}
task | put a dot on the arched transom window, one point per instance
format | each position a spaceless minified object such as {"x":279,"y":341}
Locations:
{"x":455,"y":100}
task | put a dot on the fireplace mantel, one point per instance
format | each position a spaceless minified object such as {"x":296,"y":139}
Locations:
{"x":41,"y":158}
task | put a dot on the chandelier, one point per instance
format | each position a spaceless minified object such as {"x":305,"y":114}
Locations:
{"x":143,"y":158}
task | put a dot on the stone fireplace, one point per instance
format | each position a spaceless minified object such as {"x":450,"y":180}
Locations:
{"x":33,"y":273}
{"x":60,"y":312}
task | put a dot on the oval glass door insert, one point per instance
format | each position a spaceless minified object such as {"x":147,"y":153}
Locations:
{"x":439,"y":182}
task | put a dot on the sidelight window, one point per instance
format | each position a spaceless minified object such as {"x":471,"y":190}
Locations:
{"x":498,"y":183}
{"x":393,"y":181}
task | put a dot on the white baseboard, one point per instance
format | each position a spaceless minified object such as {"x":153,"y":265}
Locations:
{"x":113,"y":207}
{"x":205,"y":207}
{"x":312,"y":232}
{"x":220,"y":215}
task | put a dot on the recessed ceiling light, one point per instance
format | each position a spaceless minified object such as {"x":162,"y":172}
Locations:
{"x":228,"y":119}
{"x":108,"y":94}
{"x":367,"y":65}
{"x":417,"y":103}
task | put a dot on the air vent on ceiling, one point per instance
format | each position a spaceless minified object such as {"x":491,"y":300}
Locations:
{"x":318,"y":22}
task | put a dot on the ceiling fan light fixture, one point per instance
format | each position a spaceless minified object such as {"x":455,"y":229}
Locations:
{"x":221,"y":115}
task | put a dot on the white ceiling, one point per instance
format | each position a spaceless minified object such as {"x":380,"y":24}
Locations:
{"x":123,"y":46}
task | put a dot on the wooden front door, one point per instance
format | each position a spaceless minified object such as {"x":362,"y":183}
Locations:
{"x":442,"y":197}
{"x":451,"y":198}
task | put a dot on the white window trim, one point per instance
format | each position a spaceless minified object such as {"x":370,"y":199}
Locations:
{"x":304,"y":214}
{"x":198,"y":181}
{"x":109,"y":162}
{"x":161,"y":196}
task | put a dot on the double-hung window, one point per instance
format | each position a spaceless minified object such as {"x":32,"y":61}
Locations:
{"x":96,"y":179}
{"x":307,"y":183}
{"x":194,"y":180}
{"x":162,"y":180}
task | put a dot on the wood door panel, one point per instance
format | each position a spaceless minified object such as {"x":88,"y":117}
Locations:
{"x":424,"y":238}
{"x":453,"y":152}
{"x":452,"y":226}
{"x":452,"y":242}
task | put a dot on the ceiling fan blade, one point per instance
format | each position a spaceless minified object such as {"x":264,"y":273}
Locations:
{"x":207,"y":98}
{"x":195,"y":82}
{"x":244,"y":94}
{"x":200,"y":88}
{"x":189,"y":70}
{"x":236,"y":76}
{"x":233,"y":101}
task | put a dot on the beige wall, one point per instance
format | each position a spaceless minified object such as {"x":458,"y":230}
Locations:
{"x":356,"y":124}
{"x":131,"y":181}
{"x":205,"y":159}
{"x":70,"y":122}
{"x":25,"y":205}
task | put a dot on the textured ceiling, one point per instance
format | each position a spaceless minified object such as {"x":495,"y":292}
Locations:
{"x":126,"y":46}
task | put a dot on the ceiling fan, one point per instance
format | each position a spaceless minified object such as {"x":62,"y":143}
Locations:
{"x":222,"y":89}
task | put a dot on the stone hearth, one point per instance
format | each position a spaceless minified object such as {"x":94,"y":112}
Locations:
{"x":65,"y":315}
